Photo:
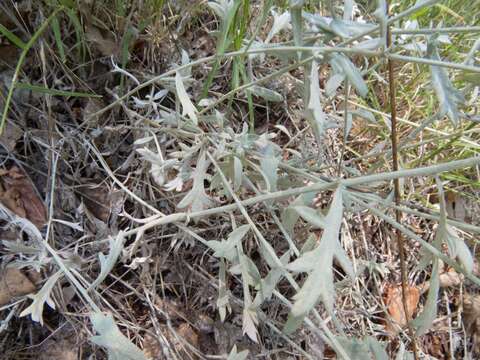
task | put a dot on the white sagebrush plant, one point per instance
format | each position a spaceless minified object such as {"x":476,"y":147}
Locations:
{"x":197,"y":199}
{"x":108,"y":262}
{"x":118,"y":346}
{"x":35,"y":309}
{"x":318,"y":263}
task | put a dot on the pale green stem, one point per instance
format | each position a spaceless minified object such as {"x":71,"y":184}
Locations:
{"x":445,"y":30}
{"x":321,"y":186}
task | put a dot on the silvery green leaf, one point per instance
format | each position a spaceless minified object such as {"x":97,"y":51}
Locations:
{"x":223,"y":249}
{"x":341,"y":63}
{"x":381,"y":14}
{"x":458,"y":249}
{"x":143,"y":141}
{"x":185,"y":72}
{"x":280,"y":22}
{"x":296,"y":18}
{"x":16,"y":247}
{"x":227,"y":249}
{"x":249,"y":324}
{"x":187,"y":107}
{"x":348,"y":126}
{"x":289,"y":216}
{"x":318,"y":21}
{"x":221,"y":8}
{"x":118,"y":346}
{"x":448,"y":96}
{"x":108,"y":262}
{"x":158,"y":165}
{"x":269,"y":165}
{"x":197,"y":199}
{"x":424,"y":321}
{"x":314,"y":217}
{"x":284,"y":130}
{"x":318,"y":286}
{"x":370,"y":44}
{"x":348,"y":9}
{"x":309,"y":244}
{"x":267,"y":285}
{"x":377,"y":349}
{"x":355,"y":348}
{"x":318,"y":121}
{"x":365,"y":114}
{"x":253,"y":273}
{"x":223,"y":294}
{"x":470,"y":58}
{"x":305,"y":263}
{"x":242,"y":355}
{"x":238,"y":173}
{"x":264,"y":93}
{"x":319,"y":283}
{"x":333,"y":83}
{"x":403,"y":354}
{"x":238,"y":234}
{"x":347,"y":29}
{"x":39,"y":299}
{"x":235,"y":269}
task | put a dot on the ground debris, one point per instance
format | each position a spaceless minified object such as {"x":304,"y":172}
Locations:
{"x":14,"y":283}
{"x":19,"y":195}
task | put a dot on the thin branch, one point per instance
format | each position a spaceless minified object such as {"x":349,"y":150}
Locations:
{"x":445,"y":30}
{"x":398,"y":214}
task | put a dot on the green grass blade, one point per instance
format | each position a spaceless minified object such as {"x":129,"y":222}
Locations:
{"x":14,"y":39}
{"x":23,"y":55}
{"x":58,"y":39}
{"x":54,"y":92}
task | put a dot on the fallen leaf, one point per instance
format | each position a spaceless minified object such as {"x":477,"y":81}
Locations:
{"x":103,"y":41}
{"x":14,"y":283}
{"x":99,"y":200}
{"x":449,"y":278}
{"x":18,"y":194}
{"x":10,"y":135}
{"x":151,"y":347}
{"x":394,"y":304}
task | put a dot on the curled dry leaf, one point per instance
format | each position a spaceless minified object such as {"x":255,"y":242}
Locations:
{"x":14,"y":283}
{"x":18,"y":194}
{"x":100,"y":201}
{"x":393,"y":301}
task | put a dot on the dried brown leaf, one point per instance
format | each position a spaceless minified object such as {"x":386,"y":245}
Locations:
{"x":14,"y":283}
{"x":103,"y":41}
{"x":395,"y":309}
{"x":99,"y":200}
{"x":18,"y":194}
